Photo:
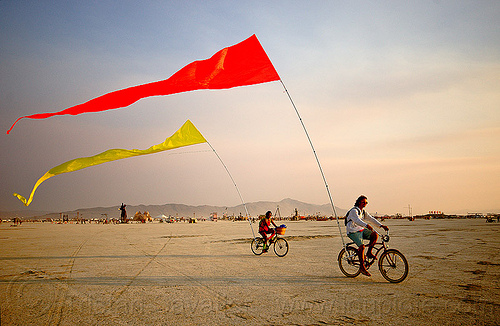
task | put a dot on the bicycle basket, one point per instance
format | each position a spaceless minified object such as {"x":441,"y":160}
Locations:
{"x":281,"y":230}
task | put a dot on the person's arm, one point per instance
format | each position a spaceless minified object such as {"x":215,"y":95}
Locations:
{"x":375,"y":221}
{"x":272,"y":221}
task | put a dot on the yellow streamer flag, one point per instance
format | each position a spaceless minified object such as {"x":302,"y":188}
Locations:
{"x":185,"y":136}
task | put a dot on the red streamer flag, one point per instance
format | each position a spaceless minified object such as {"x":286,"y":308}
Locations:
{"x":245,"y":63}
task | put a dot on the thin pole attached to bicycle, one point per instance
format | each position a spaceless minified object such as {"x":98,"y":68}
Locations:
{"x":234,"y":183}
{"x":317,"y":160}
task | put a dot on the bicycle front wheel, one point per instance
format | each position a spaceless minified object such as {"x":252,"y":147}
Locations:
{"x":281,"y":247}
{"x":349,"y":262}
{"x":257,"y":246}
{"x":393,"y":266}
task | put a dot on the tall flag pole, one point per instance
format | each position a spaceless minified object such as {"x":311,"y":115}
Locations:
{"x":317,"y":160}
{"x":234,"y":183}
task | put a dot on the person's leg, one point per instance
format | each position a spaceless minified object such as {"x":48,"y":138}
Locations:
{"x":273,"y":232}
{"x":361,"y":254}
{"x":264,"y":236}
{"x":357,"y":237}
{"x":373,"y":240}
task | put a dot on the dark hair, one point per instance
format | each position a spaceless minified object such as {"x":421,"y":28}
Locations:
{"x":358,"y":201}
{"x":268,"y":213}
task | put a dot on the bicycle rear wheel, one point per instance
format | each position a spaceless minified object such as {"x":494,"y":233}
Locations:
{"x":257,"y":246}
{"x":349,"y":262}
{"x":393,"y":266}
{"x":280,"y":247}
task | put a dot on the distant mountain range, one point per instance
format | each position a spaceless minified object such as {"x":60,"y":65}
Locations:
{"x":286,"y":207}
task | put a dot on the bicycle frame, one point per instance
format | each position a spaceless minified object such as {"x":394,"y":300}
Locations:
{"x":382,"y":247}
{"x":378,"y":246}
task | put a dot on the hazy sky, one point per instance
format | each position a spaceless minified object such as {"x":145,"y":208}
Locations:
{"x":401,"y":100}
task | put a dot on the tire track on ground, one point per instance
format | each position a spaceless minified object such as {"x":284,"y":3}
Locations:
{"x":118,"y":294}
{"x":225,"y":302}
{"x":59,"y":305}
{"x":422,"y":268}
{"x":52,"y":306}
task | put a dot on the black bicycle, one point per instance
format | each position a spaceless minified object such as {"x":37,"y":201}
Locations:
{"x":392,"y":263}
{"x":280,"y":244}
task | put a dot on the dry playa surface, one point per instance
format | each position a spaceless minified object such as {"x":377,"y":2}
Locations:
{"x":206,"y":274}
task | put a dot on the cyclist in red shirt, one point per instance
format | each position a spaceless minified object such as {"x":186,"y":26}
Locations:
{"x":265,"y":229}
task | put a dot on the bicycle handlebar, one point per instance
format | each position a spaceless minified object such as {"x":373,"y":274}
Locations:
{"x":385,"y":237}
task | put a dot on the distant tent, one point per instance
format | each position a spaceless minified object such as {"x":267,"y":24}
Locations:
{"x":143,"y":217}
{"x":161,"y":217}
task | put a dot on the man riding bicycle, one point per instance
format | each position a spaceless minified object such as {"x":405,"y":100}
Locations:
{"x":357,"y":230}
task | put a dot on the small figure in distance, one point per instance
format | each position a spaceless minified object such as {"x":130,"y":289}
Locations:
{"x":265,"y":229}
{"x":123,"y":215}
{"x":358,"y":229}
